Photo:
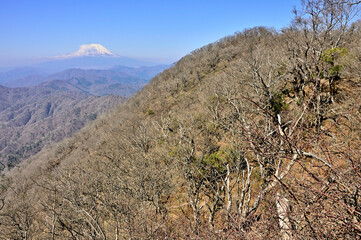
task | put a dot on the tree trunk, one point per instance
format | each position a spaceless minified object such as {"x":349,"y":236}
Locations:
{"x":283,"y":208}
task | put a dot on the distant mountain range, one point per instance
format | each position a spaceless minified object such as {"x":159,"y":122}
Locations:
{"x":119,"y":80}
{"x":89,"y":56}
{"x":20,"y":72}
{"x":115,"y":75}
{"x":53,"y":65}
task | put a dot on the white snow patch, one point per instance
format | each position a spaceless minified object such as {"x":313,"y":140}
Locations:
{"x":93,"y":49}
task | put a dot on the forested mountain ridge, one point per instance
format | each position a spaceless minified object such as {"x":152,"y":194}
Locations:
{"x":255,"y":136}
{"x":98,"y":82}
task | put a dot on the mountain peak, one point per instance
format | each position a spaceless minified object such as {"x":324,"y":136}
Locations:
{"x":93,"y":49}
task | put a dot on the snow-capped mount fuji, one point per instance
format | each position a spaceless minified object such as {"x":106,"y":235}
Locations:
{"x":90,"y":50}
{"x":89,"y":56}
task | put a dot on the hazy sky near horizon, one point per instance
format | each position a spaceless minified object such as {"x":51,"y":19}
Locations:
{"x":161,"y":30}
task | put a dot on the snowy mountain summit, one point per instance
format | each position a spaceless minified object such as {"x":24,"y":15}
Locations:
{"x":90,"y":50}
{"x":89,"y":56}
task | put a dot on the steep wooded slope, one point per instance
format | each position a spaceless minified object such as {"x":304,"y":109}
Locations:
{"x":31,"y":118}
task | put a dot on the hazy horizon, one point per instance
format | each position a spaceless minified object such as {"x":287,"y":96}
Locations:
{"x":157,"y":31}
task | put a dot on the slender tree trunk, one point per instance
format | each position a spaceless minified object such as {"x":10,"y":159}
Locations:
{"x":283,"y":208}
{"x":194,"y":205}
{"x":228,"y":192}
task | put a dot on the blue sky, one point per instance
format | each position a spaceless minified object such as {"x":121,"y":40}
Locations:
{"x":162,"y":30}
